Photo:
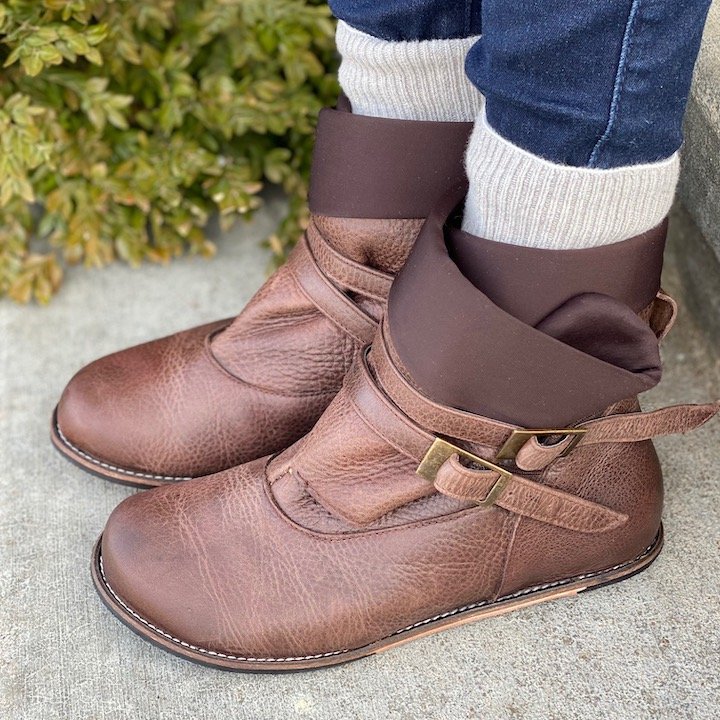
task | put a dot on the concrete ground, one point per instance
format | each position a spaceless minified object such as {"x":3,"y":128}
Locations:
{"x":647,"y":648}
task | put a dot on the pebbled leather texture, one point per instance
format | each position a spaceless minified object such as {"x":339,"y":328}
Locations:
{"x":217,"y":564}
{"x":378,"y":520}
{"x":337,"y":542}
{"x":527,"y":498}
{"x":223,"y":394}
{"x":220,"y":395}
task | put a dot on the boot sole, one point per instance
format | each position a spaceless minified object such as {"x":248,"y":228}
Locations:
{"x":100,"y":468}
{"x":469,"y":613}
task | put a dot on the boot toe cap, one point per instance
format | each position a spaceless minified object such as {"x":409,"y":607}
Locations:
{"x":146,"y":410}
{"x":139,"y":566}
{"x":161,"y":567}
{"x":91,"y":415}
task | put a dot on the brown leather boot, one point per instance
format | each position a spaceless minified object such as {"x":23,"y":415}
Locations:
{"x":399,"y":515}
{"x":225,"y":393}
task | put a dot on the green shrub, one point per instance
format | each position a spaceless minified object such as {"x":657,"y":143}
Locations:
{"x":124,"y":124}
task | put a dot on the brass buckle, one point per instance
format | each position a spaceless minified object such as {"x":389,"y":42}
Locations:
{"x":519,"y":437}
{"x":441,"y":450}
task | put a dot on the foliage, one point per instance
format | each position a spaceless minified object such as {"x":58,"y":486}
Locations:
{"x":124,"y":124}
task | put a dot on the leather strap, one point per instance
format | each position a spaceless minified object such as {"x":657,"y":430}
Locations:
{"x":620,"y":428}
{"x":333,"y":303}
{"x":443,"y":420}
{"x":624,"y":427}
{"x":527,"y":498}
{"x":662,"y":314}
{"x":377,"y":411}
{"x":361,"y":165}
{"x":639,"y":426}
{"x":520,"y":495}
{"x":346,"y":272}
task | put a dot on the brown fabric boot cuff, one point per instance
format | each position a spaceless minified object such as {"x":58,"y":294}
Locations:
{"x":463,"y":349}
{"x":367,"y":167}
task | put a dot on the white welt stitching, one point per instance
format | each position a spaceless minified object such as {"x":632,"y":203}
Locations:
{"x":441,"y":616}
{"x":526,"y":591}
{"x":95,"y":461}
{"x":203,"y":650}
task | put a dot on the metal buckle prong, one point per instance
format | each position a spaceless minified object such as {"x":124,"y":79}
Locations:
{"x":518,"y":438}
{"x":441,"y":450}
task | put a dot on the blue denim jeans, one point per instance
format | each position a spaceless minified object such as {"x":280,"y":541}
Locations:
{"x":588,"y":84}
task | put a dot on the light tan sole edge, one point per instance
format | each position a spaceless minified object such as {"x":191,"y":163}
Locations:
{"x":453,"y":618}
{"x":102,"y":469}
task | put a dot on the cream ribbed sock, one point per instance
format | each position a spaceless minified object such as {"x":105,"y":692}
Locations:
{"x":416,"y":80}
{"x":519,"y":198}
